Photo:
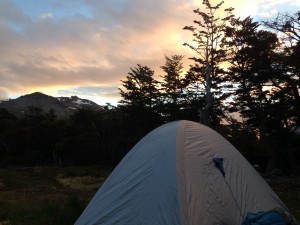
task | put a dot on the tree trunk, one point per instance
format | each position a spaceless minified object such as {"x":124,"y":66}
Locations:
{"x":206,"y":113}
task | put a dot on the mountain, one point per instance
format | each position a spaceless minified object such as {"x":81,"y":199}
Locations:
{"x":62,"y":106}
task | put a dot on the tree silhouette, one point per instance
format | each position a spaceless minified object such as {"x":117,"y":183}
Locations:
{"x":140,"y":100}
{"x":173,"y":87}
{"x":208,"y":32}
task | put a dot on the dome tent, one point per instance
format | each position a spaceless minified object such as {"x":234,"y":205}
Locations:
{"x":182,"y":173}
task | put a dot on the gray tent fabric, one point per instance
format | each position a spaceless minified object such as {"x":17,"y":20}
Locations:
{"x":143,"y":187}
{"x":170,"y":178}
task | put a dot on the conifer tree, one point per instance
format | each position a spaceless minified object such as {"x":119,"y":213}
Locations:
{"x":208,"y":32}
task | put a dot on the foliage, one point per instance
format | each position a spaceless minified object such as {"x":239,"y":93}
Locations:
{"x":240,"y":69}
{"x":260,"y":84}
{"x":139,"y":104}
{"x":87,"y":137}
{"x":141,"y":87}
{"x":177,"y":100}
{"x":208,"y":32}
{"x":261,"y":95}
{"x":286,"y":23}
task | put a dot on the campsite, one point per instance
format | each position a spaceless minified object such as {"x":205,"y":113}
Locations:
{"x":130,"y":112}
{"x":51,"y":195}
{"x":44,"y":200}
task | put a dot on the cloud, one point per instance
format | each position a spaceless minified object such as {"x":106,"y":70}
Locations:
{"x":92,"y":44}
{"x":12,"y":15}
{"x":3,"y":94}
{"x":46,"y":15}
{"x":77,"y":49}
{"x":104,"y":91}
{"x":268,"y":8}
{"x":98,"y":94}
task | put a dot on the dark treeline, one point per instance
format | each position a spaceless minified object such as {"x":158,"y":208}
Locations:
{"x":241,"y":69}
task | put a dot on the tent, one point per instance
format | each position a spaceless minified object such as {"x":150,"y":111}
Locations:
{"x":182,"y":173}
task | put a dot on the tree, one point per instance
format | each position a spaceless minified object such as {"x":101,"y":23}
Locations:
{"x":8,"y":125}
{"x":140,"y":100}
{"x":141,"y":88}
{"x":287,"y":81}
{"x":287,"y":24}
{"x":173,"y":88}
{"x":208,"y":33}
{"x":251,"y":58}
{"x":261,"y":95}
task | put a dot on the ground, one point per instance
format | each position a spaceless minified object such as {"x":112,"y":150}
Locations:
{"x":288,"y":190}
{"x":48,"y":195}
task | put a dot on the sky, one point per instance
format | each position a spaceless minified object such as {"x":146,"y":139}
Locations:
{"x":86,"y":47}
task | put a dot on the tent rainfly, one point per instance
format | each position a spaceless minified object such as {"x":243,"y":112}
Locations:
{"x":182,"y":173}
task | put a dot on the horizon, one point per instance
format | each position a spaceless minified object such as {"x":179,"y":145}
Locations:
{"x":85,"y":48}
{"x":40,"y":92}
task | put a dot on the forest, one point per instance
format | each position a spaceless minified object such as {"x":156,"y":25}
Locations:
{"x":243,"y":81}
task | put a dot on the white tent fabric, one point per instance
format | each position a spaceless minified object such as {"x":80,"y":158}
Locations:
{"x":170,"y":178}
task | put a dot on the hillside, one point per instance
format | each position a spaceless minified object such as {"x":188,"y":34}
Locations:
{"x":62,"y":106}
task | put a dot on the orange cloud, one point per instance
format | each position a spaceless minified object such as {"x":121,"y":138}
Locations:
{"x":51,"y":53}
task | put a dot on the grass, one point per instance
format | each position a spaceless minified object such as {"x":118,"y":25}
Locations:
{"x":48,"y":195}
{"x":39,"y":212}
{"x":35,"y":196}
{"x":288,"y":190}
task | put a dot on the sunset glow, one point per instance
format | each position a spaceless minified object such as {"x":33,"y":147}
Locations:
{"x":85,"y":48}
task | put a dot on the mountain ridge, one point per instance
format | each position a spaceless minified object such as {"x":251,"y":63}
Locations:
{"x":62,"y":106}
